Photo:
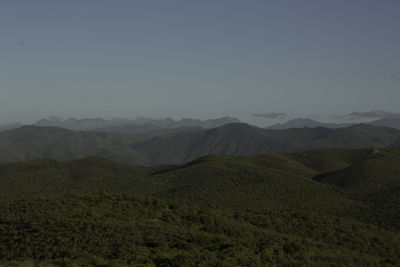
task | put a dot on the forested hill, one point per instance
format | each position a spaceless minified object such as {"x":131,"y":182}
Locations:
{"x":320,"y":207}
{"x":326,"y":179}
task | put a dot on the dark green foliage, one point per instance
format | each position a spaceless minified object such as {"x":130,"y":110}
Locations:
{"x":120,"y":229}
{"x":331,"y":207}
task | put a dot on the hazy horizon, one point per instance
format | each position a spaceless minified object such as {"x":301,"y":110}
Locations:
{"x":198,"y":59}
{"x":347,"y":118}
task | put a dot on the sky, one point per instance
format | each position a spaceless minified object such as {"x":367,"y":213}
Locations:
{"x":199,"y":59}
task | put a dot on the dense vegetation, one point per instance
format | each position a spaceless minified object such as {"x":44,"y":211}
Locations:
{"x":180,"y":145}
{"x":321,"y":207}
{"x":120,"y":229}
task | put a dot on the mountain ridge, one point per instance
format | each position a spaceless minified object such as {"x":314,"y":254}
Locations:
{"x":90,"y":124}
{"x":305,"y":122}
{"x":391,"y":122}
{"x":179,"y":146}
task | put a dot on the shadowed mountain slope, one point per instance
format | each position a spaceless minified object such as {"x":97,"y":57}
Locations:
{"x":393,"y":122}
{"x":242,"y":139}
{"x":302,"y":123}
{"x":32,"y":142}
{"x":7,"y":127}
{"x":175,"y":147}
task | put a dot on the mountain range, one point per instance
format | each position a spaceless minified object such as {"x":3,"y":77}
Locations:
{"x":142,"y":125}
{"x":181,"y":145}
{"x":131,"y":126}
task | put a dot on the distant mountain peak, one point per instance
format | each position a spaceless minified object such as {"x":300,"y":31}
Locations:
{"x":53,"y":118}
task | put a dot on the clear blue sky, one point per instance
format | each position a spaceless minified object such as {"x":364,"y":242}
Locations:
{"x":201,"y":59}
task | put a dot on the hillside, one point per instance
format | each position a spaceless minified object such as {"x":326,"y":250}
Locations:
{"x":6,"y":127}
{"x":319,"y":207}
{"x":124,"y":230}
{"x":393,"y":122}
{"x":329,"y":180}
{"x":179,"y":145}
{"x":32,"y":142}
{"x":242,"y":139}
{"x":303,"y":122}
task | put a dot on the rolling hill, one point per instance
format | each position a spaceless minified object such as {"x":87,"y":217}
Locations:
{"x":319,"y":207}
{"x":343,"y":179}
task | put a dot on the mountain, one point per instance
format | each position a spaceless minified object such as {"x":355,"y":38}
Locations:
{"x":242,"y":139}
{"x":78,"y":124}
{"x":140,"y":123}
{"x":177,"y":146}
{"x":33,"y":142}
{"x":326,"y":207}
{"x":393,"y":122}
{"x":214,"y":123}
{"x":149,"y":129}
{"x":187,"y":122}
{"x":7,"y":127}
{"x":302,"y":123}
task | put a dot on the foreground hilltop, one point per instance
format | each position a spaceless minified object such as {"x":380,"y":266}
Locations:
{"x":179,"y":145}
{"x":317,"y":179}
{"x":319,"y":207}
